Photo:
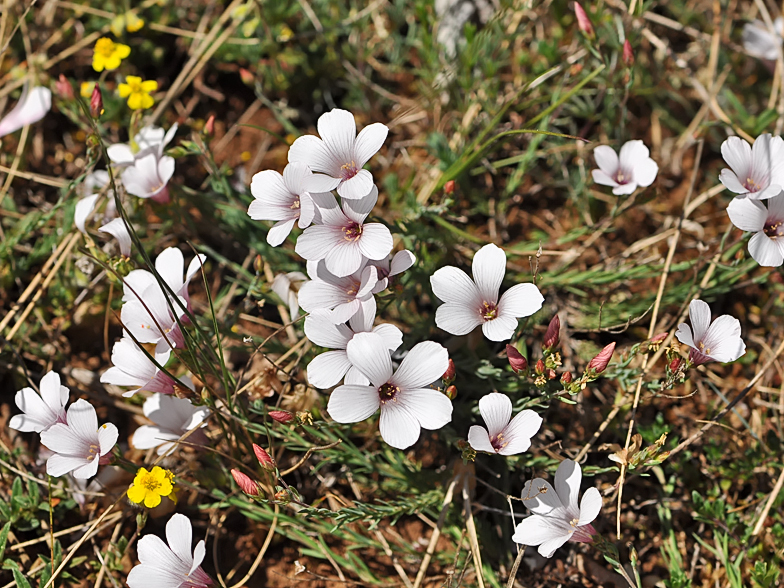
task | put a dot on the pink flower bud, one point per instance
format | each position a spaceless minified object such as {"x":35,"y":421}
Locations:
{"x":96,"y":102}
{"x":552,"y":336}
{"x":550,"y":373}
{"x":539,"y":367}
{"x":247,"y":485}
{"x":601,"y":361}
{"x":451,"y":392}
{"x":583,"y":22}
{"x":64,"y":88}
{"x":209,"y":126}
{"x":247,"y":77}
{"x":660,"y":337}
{"x":264,"y":458}
{"x":281,"y":416}
{"x":675,"y":364}
{"x":449,"y":187}
{"x":628,"y":54}
{"x":566,"y":378}
{"x":516,"y":359}
{"x":450,"y":373}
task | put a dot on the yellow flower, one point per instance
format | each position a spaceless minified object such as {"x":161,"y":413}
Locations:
{"x":108,"y":54}
{"x":148,"y":487}
{"x":86,"y":89}
{"x":138,"y":92}
{"x":132,"y":22}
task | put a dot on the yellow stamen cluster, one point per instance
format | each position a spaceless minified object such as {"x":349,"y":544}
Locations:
{"x":148,"y":487}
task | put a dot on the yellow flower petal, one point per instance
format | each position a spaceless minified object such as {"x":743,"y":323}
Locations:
{"x":86,"y":89}
{"x":118,"y":22}
{"x":152,"y":500}
{"x":136,"y":494}
{"x":149,"y":86}
{"x":122,"y":51}
{"x":135,"y":101}
{"x":147,"y":101}
{"x":123,"y":89}
{"x":98,"y":62}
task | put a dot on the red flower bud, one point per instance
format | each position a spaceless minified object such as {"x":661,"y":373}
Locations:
{"x":451,"y":392}
{"x":539,"y":367}
{"x":247,"y":77}
{"x":566,"y":378}
{"x":96,"y":102}
{"x":264,"y":458}
{"x":281,"y":416}
{"x":450,"y":373}
{"x":675,"y":364}
{"x":516,"y":359}
{"x":551,"y":375}
{"x":247,"y":485}
{"x":583,"y":22}
{"x":209,"y":126}
{"x":64,"y":88}
{"x":552,"y":336}
{"x":449,"y":187}
{"x":628,"y":54}
{"x":660,"y":337}
{"x":601,"y":361}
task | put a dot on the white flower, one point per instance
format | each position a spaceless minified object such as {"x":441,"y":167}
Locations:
{"x":343,"y":296}
{"x":170,"y":264}
{"x":406,"y":403}
{"x":329,"y":367}
{"x":557,"y":518}
{"x":148,"y":177}
{"x":759,"y":41}
{"x":150,"y":139}
{"x":33,"y":105}
{"x":41,"y":412}
{"x":470,"y":304}
{"x":79,"y":445}
{"x":633,"y":168}
{"x":282,"y":198}
{"x":340,"y":154}
{"x":286,"y":286}
{"x":502,"y":436}
{"x":119,"y":231}
{"x":719,"y":341}
{"x":96,"y":180}
{"x":155,"y":318}
{"x":172,"y":418}
{"x":133,"y":368}
{"x":767,"y":245}
{"x":386,"y":268}
{"x":172,"y":565}
{"x":342,"y":239}
{"x":758,"y":171}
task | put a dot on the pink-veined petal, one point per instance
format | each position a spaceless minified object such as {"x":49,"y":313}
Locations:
{"x":344,"y":258}
{"x":82,"y":419}
{"x":323,"y":332}
{"x":368,"y":142}
{"x":518,"y":433}
{"x":338,"y":130}
{"x":179,"y":536}
{"x":488,"y":269}
{"x":452,"y":285}
{"x":607,"y":160}
{"x":457,"y":319}
{"x":318,"y":241}
{"x":58,"y":465}
{"x":423,"y":365}
{"x":479,"y":439}
{"x":398,"y":426}
{"x":520,"y":301}
{"x":496,"y":410}
{"x":312,"y":151}
{"x":357,"y":187}
{"x":500,"y":328}
{"x":370,"y":355}
{"x":590,"y":505}
{"x":358,"y":210}
{"x":352,"y":404}
{"x":327,"y":369}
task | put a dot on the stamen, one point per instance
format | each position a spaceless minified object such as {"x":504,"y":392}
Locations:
{"x":387,"y":392}
{"x":352,"y":232}
{"x":488,"y":311}
{"x":348,"y":171}
{"x":774,"y":230}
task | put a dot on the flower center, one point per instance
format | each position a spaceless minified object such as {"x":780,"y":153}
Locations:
{"x":104,"y":47}
{"x":623,"y":178}
{"x":93,"y":450}
{"x":151,"y":483}
{"x":352,"y":232}
{"x":488,"y":310}
{"x":498,"y":442}
{"x":348,"y":171}
{"x":703,"y":349}
{"x":353,"y":288}
{"x":136,"y":87}
{"x":295,"y":205}
{"x":751,"y":185}
{"x":774,"y":230}
{"x":387,"y":392}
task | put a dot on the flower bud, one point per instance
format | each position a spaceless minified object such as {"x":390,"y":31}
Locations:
{"x":449,"y":187}
{"x":628,"y":54}
{"x":539,"y":367}
{"x":281,"y":416}
{"x":675,"y":364}
{"x":566,"y":378}
{"x":660,"y":337}
{"x":601,"y":361}
{"x":516,"y":359}
{"x":550,"y":373}
{"x":258,"y":264}
{"x":247,"y":77}
{"x":96,"y":102}
{"x":552,"y":336}
{"x":247,"y":485}
{"x":64,"y":88}
{"x":264,"y":458}
{"x":450,"y":373}
{"x":451,"y":392}
{"x":209,"y":126}
{"x":583,"y":22}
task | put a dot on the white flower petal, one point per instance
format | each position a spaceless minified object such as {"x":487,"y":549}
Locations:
{"x":632,"y":153}
{"x":452,"y":285}
{"x":82,"y":419}
{"x":344,"y":258}
{"x":355,"y":378}
{"x":547,"y":549}
{"x":58,"y":465}
{"x":622,"y":189}
{"x":370,"y":355}
{"x":430,"y":407}
{"x":352,"y":404}
{"x":147,"y":437}
{"x":737,"y":153}
{"x":488,"y":269}
{"x":731,"y":182}
{"x":119,"y":231}
{"x":357,"y":187}
{"x":723,"y":340}
{"x":479,"y":439}
{"x":368,"y":142}
{"x":602,"y":178}
{"x":567,"y":484}
{"x":317,"y":241}
{"x":496,"y":410}
{"x":500,"y":328}
{"x":398,"y":426}
{"x":401,"y":261}
{"x":607,"y":160}
{"x":312,"y":151}
{"x":32,"y":107}
{"x":590,"y":505}
{"x":327,"y":369}
{"x":519,"y":431}
{"x":700,"y":317}
{"x":376,"y":241}
{"x":392,"y":336}
{"x":645,"y":171}
{"x":520,"y":301}
{"x":457,"y":319}
{"x":107,"y":437}
{"x":748,"y":214}
{"x":83,"y":209}
{"x":423,"y":365}
{"x":536,"y":530}
{"x":765,"y":251}
{"x":338,"y":131}
{"x":179,"y":537}
{"x":540,"y":497}
{"x":358,"y":210}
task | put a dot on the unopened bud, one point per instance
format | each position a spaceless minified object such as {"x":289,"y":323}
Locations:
{"x":258,"y":264}
{"x":64,"y":88}
{"x":583,"y":22}
{"x":516,"y":359}
{"x":281,"y":497}
{"x":209,"y":126}
{"x":281,"y":416}
{"x":247,"y":485}
{"x":462,"y":444}
{"x":449,"y":187}
{"x":553,"y":334}
{"x":96,"y":102}
{"x":566,"y":378}
{"x":539,"y":367}
{"x":660,"y":337}
{"x":628,"y":54}
{"x":247,"y":77}
{"x":601,"y":361}
{"x":264,"y":458}
{"x":450,"y":372}
{"x":550,"y":373}
{"x":675,"y":364}
{"x":451,"y":392}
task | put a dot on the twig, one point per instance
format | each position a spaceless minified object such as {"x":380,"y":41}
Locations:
{"x":768,"y":504}
{"x":473,"y":540}
{"x":431,"y":546}
{"x":518,"y":559}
